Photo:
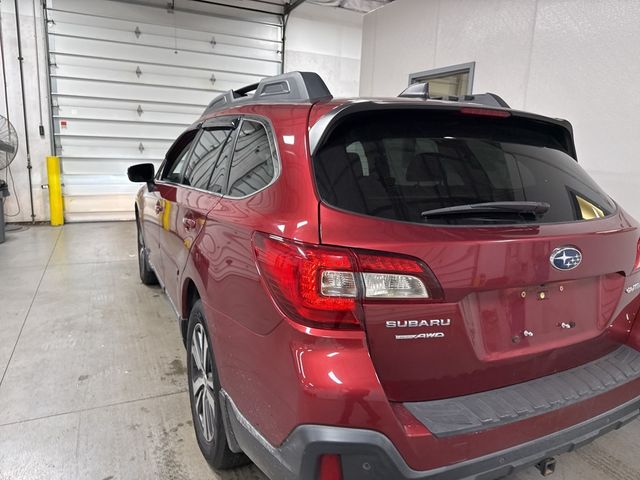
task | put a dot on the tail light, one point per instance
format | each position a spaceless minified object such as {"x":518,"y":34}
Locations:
{"x":388,"y":277}
{"x":312,"y":285}
{"x":636,"y":265}
{"x":326,"y":286}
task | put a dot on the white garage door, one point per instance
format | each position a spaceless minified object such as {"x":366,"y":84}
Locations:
{"x":127,"y":78}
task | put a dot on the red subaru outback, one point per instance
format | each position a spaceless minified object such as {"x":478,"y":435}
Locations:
{"x":403,"y":288}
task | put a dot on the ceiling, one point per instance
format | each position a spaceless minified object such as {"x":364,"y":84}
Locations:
{"x":283,"y":6}
{"x":260,"y":10}
{"x":357,"y":5}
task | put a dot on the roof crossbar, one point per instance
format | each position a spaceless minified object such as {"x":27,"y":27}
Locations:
{"x":288,"y":87}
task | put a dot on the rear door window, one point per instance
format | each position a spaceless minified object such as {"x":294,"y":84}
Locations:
{"x":218,"y":180}
{"x":176,"y":158}
{"x":254,"y":161}
{"x":399,"y":164}
{"x":204,"y":162}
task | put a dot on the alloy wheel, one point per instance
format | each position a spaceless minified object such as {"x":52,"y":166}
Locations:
{"x":204,"y":398}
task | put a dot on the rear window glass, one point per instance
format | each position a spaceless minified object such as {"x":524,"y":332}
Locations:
{"x":399,"y":164}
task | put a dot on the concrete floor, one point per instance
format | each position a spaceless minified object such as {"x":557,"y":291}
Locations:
{"x":93,"y":382}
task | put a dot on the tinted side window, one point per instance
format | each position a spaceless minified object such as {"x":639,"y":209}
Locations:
{"x":176,"y":158}
{"x":203,"y":162}
{"x":253,"y":164}
{"x":218,"y":181}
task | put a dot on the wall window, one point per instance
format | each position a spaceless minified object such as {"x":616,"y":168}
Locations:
{"x":253,"y":165}
{"x":456,"y":80}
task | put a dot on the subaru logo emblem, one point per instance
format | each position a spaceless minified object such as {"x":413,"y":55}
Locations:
{"x":565,"y":258}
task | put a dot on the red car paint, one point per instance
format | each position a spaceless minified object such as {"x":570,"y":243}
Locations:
{"x":281,"y":373}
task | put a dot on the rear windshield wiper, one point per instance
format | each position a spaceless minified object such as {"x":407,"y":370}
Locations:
{"x":536,"y":209}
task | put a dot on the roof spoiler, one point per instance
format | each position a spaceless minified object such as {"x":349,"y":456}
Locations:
{"x":288,"y":87}
{"x":421,"y":91}
{"x":325,"y":125}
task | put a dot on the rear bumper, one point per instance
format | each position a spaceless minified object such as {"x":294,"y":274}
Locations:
{"x":367,"y":454}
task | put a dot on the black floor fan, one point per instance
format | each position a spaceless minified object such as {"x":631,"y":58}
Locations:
{"x":8,"y":151}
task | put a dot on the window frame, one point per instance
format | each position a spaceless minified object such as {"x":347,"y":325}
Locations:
{"x":231,"y":121}
{"x":163,"y":165}
{"x":468,"y":68}
{"x":218,"y":123}
{"x":273,"y":145}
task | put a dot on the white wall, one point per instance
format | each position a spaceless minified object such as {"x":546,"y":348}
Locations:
{"x":40,"y":146}
{"x":327,"y":41}
{"x":575,"y":59}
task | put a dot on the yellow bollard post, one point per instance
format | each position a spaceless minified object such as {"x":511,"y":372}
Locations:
{"x":55,"y":191}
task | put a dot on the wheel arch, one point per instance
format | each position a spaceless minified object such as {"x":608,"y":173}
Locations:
{"x":190,"y":294}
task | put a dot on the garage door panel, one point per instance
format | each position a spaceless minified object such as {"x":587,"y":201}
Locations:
{"x":265,"y":6}
{"x":206,"y":81}
{"x":81,"y":208}
{"x":134,"y":130}
{"x":65,"y":65}
{"x":102,"y":166}
{"x":141,"y":77}
{"x":68,"y":98}
{"x":91,"y":150}
{"x":103,"y":89}
{"x":209,"y":43}
{"x":68,"y":23}
{"x":144,"y":54}
{"x":223,"y":20}
{"x":102,"y":145}
{"x":108,"y":184}
{"x":71,"y":102}
{"x":90,"y":113}
{"x":98,"y":184}
{"x":73,"y":217}
{"x":121,"y":98}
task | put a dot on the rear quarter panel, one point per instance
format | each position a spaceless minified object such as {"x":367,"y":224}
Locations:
{"x":240,"y":314}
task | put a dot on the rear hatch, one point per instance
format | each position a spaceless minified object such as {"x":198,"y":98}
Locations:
{"x":527,"y":285}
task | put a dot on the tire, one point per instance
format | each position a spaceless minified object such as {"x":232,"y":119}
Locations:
{"x":147,"y":275}
{"x":204,"y":395}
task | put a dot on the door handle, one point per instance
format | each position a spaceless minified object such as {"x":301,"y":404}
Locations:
{"x":159,"y":207}
{"x":189,"y":223}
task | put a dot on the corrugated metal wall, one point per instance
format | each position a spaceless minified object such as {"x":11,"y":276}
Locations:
{"x":127,"y":78}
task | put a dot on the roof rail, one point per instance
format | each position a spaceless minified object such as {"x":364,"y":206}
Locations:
{"x":288,"y":87}
{"x":421,"y":90}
